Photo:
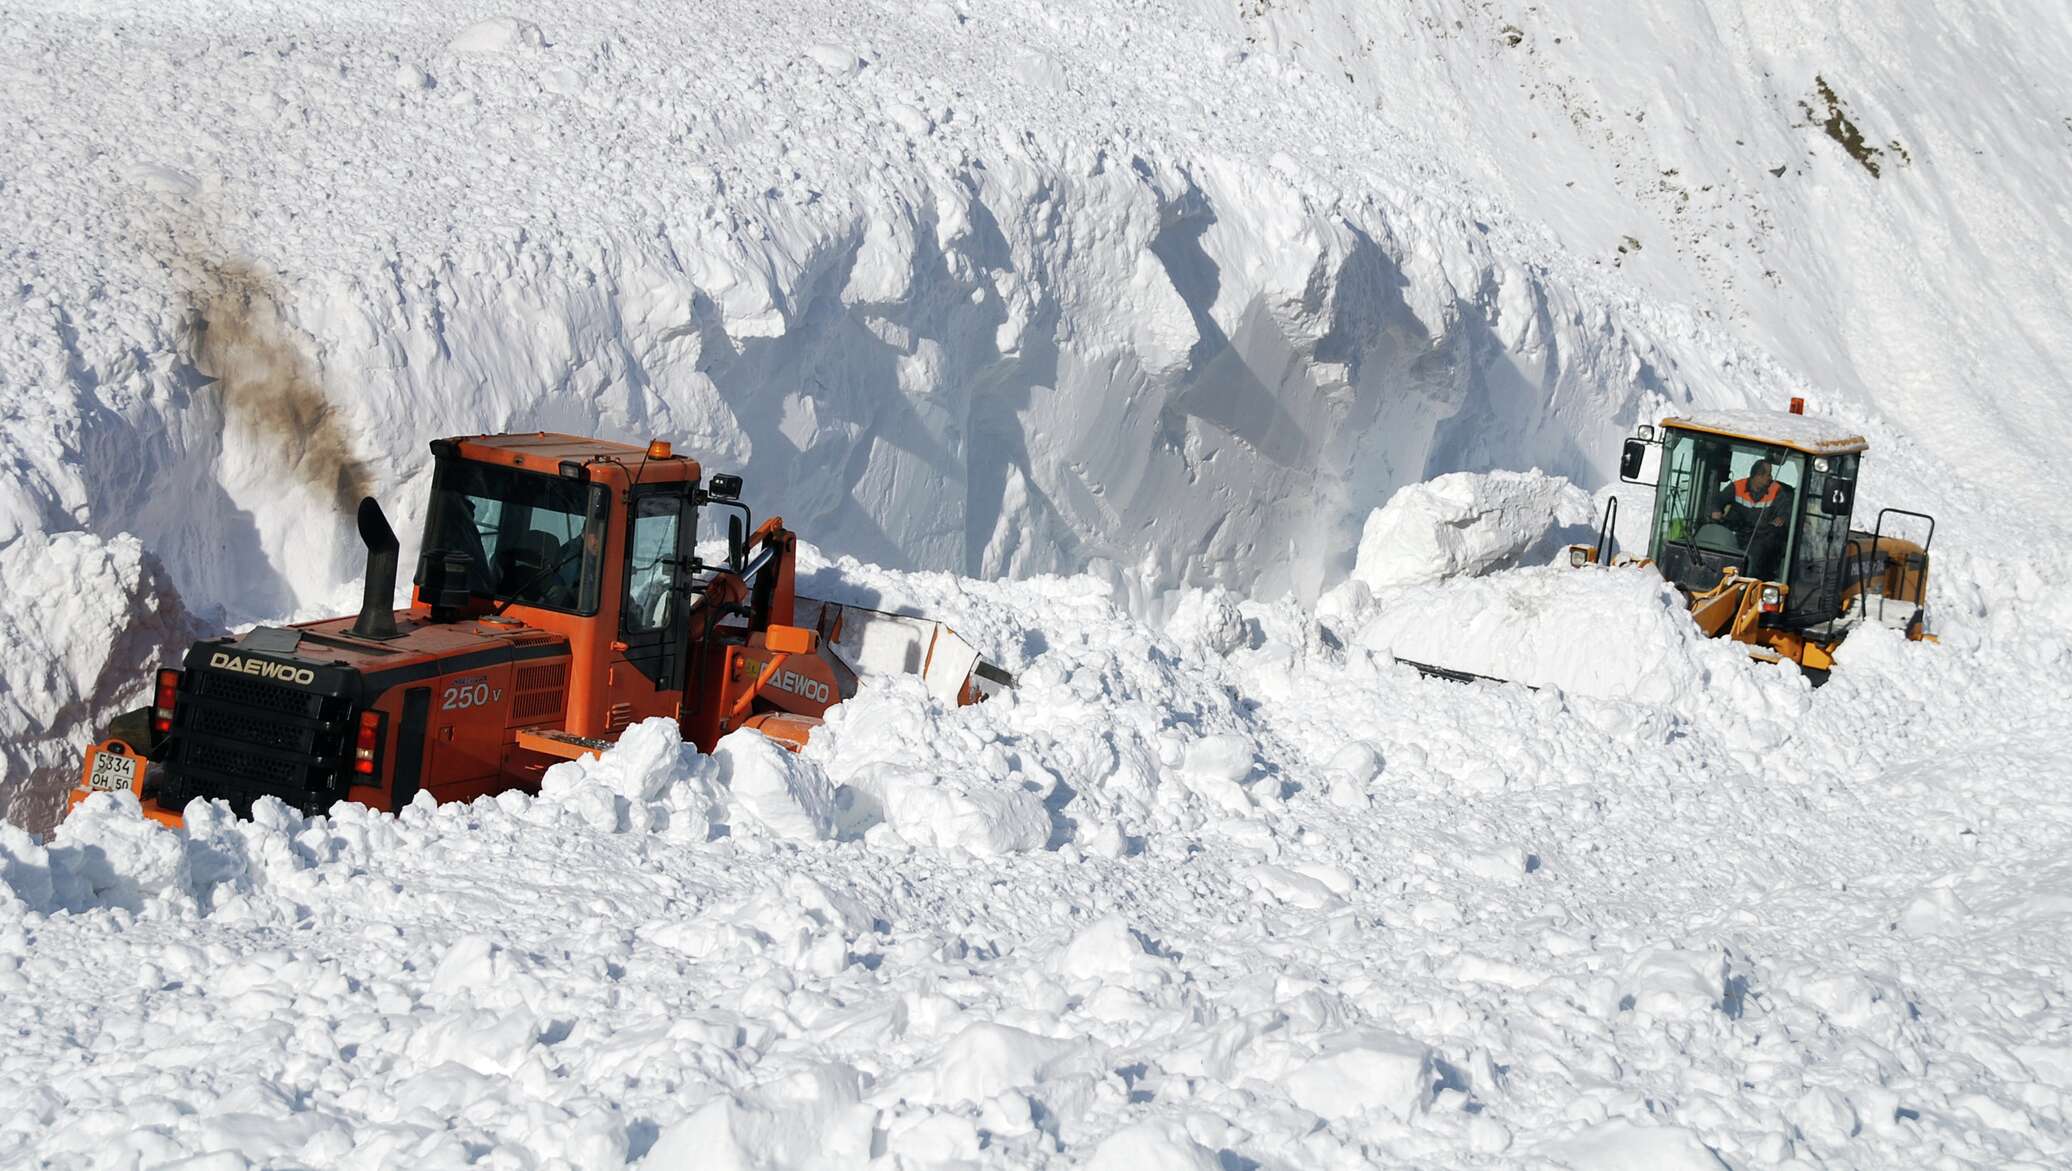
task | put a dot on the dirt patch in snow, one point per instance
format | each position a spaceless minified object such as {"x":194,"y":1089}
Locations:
{"x":268,"y":383}
{"x":1834,"y":121}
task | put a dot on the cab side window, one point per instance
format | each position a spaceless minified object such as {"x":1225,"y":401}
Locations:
{"x":652,"y":562}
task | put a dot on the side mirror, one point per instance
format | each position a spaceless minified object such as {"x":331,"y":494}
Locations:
{"x":1631,"y":460}
{"x":737,"y":544}
{"x":791,"y":640}
{"x":1840,"y":497}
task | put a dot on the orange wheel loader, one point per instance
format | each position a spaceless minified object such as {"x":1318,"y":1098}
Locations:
{"x":558,"y":599}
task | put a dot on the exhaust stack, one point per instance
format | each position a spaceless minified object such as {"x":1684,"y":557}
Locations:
{"x":377,"y":604}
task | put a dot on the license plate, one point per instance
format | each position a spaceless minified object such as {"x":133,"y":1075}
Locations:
{"x":113,"y":773}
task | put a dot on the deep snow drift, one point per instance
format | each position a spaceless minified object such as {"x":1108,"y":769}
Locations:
{"x":1237,"y":892}
{"x":1001,"y":287}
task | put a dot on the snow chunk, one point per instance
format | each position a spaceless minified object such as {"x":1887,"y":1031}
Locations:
{"x":162,"y":180}
{"x":653,"y":782}
{"x":1619,"y":1145}
{"x":1362,"y":1072}
{"x":1311,"y":888}
{"x":118,"y":856}
{"x":1224,"y":756}
{"x":1209,"y":618}
{"x":835,"y":59}
{"x":808,"y":1120}
{"x":987,"y":818}
{"x":498,"y":34}
{"x":83,"y":620}
{"x":648,"y":782}
{"x":1107,"y":950}
{"x":1465,"y":523}
{"x":785,"y":795}
{"x":1151,"y":1146}
{"x":1614,"y":634}
{"x":987,"y":1058}
{"x":1937,"y":912}
{"x":1675,"y":984}
{"x":1215,"y":768}
{"x":25,"y":870}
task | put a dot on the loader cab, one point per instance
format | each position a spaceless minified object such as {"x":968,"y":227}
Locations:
{"x":1795,"y":534}
{"x":583,"y":538}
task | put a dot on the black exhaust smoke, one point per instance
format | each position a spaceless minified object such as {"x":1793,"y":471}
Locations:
{"x":377,"y":603}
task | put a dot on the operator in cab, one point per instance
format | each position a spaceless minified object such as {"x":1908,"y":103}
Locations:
{"x":1757,"y":507}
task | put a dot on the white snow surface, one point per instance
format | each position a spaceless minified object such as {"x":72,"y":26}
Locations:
{"x":1152,"y":308}
{"x":1464,"y":523}
{"x":1174,"y":292}
{"x":1288,"y":905}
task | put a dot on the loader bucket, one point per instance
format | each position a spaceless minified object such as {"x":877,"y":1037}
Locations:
{"x":860,"y":641}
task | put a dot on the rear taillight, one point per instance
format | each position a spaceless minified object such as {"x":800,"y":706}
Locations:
{"x":367,"y":744}
{"x":162,"y":701}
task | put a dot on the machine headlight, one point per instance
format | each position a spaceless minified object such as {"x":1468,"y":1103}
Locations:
{"x":1772,"y":599}
{"x":1820,"y":463}
{"x":1646,"y":431}
{"x":1577,"y":558}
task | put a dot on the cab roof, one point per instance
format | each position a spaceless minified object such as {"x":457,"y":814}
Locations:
{"x":1807,"y":433}
{"x":550,"y":447}
{"x":546,"y":451}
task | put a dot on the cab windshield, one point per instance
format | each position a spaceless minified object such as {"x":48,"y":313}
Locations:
{"x":1724,"y":502}
{"x":528,"y":538}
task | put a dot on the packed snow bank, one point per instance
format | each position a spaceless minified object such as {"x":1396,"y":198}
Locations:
{"x":1466,"y":523}
{"x":944,"y":301}
{"x":653,"y":782}
{"x":1610,"y":633}
{"x":1295,"y":907}
{"x":83,"y":623}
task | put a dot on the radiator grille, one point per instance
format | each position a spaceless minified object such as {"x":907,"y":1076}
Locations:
{"x":246,"y":692}
{"x":250,"y":728}
{"x":239,"y":738}
{"x":546,"y":676}
{"x":245,"y":765}
{"x":539,"y":692}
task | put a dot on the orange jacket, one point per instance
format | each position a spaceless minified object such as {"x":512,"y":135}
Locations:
{"x":1747,"y":499}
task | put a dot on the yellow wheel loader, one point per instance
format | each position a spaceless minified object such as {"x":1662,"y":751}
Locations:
{"x":1752,"y":525}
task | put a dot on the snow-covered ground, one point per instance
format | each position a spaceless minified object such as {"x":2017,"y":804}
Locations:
{"x":1166,"y":297}
{"x":1237,"y":892}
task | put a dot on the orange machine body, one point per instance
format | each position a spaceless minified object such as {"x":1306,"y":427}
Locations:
{"x":558,"y":601}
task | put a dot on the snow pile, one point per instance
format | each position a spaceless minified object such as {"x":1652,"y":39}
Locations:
{"x":83,"y":623}
{"x":1468,"y":524}
{"x":1612,"y":634}
{"x":652,"y":782}
{"x":1362,"y":1073}
{"x":1291,"y":905}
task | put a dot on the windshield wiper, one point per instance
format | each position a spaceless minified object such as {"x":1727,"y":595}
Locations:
{"x":567,"y":556}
